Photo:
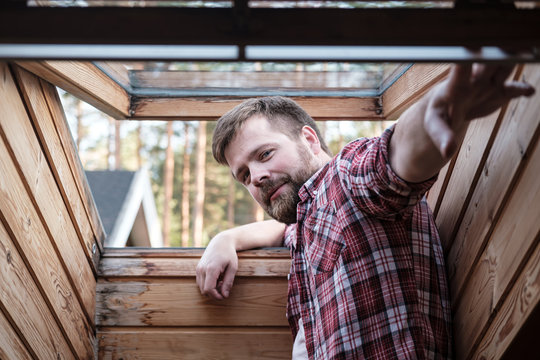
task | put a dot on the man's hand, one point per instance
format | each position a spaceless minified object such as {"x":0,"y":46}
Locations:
{"x":429,"y":133}
{"x":217,"y":268}
{"x":470,"y":92}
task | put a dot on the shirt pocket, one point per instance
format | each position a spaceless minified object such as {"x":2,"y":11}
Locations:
{"x":323,"y":240}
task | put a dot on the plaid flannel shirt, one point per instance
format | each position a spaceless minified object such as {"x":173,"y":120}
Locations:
{"x":367,"y":275}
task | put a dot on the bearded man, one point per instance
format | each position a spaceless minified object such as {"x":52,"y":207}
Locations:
{"x":367,"y":279}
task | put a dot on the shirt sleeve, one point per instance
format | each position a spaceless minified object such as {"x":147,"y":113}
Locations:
{"x":289,"y":236}
{"x":364,"y":170}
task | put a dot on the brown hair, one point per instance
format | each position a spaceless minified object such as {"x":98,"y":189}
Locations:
{"x":282,"y":113}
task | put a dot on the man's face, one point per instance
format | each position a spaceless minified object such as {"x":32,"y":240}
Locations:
{"x":271,"y":165}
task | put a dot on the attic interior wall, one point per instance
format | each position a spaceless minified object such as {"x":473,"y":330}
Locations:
{"x":486,"y":204}
{"x":49,"y":240}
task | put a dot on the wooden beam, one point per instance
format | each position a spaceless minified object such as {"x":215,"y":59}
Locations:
{"x":178,"y":302}
{"x":195,"y":343}
{"x":206,"y":108}
{"x":473,"y":26}
{"x":410,"y":87}
{"x":85,"y":81}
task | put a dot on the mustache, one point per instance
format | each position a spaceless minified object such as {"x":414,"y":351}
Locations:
{"x":270,"y":186}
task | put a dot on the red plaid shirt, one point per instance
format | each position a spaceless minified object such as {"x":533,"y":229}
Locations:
{"x":368,"y":275}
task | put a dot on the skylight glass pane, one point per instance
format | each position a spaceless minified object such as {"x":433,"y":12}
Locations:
{"x":131,"y":3}
{"x":252,"y":78}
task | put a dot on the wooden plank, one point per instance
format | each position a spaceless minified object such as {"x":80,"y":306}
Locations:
{"x":22,"y":301}
{"x":85,"y":81}
{"x":44,"y":109}
{"x":517,"y":133}
{"x":41,"y":257}
{"x":465,"y":174}
{"x":178,"y":302}
{"x":512,"y":240}
{"x":211,"y":108}
{"x":523,"y":299}
{"x":70,"y":150}
{"x":195,"y":344}
{"x":19,"y":134}
{"x":182,"y":267}
{"x":410,"y":87}
{"x":11,"y":346}
{"x":274,"y":252}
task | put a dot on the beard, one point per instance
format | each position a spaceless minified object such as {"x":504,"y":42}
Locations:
{"x":283,"y":207}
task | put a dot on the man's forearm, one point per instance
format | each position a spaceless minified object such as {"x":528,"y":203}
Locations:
{"x":255,"y":235}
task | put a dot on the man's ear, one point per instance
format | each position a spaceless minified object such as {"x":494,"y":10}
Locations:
{"x":312,"y":139}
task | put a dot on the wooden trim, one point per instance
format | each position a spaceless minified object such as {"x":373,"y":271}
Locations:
{"x":23,"y":302}
{"x":85,"y":81}
{"x":195,"y":343}
{"x":205,"y":108}
{"x":19,"y":136}
{"x":410,"y":87}
{"x":518,"y":132}
{"x":178,"y":302}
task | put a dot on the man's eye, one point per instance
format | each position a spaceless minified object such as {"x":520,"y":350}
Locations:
{"x":265,"y":154}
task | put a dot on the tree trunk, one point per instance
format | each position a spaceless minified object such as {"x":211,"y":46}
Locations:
{"x":79,"y":116}
{"x":200,"y":173}
{"x":168,"y":172}
{"x":117,"y":145}
{"x":139,"y":146}
{"x":231,"y":201}
{"x":185,"y":189}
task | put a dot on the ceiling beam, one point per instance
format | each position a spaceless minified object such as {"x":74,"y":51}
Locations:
{"x":471,"y":27}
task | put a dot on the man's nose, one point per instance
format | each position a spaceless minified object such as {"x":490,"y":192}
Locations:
{"x":259,"y":175}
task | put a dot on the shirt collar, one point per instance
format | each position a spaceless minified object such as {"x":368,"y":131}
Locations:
{"x":310,"y":187}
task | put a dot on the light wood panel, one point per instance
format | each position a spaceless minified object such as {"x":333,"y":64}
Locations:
{"x":178,"y":302}
{"x":523,"y":299}
{"x":42,"y":258}
{"x":211,"y":108}
{"x":517,"y":133}
{"x":410,"y":87}
{"x":32,"y":162}
{"x":195,"y":344}
{"x":86,"y":82}
{"x":508,"y":250}
{"x":11,"y":346}
{"x":465,"y":173}
{"x":60,"y":153}
{"x":22,"y":300}
{"x":71,"y":154}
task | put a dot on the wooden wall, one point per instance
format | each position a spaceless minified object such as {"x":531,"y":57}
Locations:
{"x":149,"y":307}
{"x":487,"y":206}
{"x":49,"y":228}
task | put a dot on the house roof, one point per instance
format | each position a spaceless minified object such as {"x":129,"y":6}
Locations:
{"x":127,"y":207}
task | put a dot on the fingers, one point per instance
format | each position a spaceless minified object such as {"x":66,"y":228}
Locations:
{"x":210,"y":285}
{"x":459,"y":78}
{"x":515,"y":89}
{"x":228,"y":280}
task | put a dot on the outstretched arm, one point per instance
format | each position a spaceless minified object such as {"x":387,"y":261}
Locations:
{"x":218,"y":265}
{"x":430,"y":132}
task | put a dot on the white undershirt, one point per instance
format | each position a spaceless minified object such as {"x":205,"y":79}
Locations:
{"x":299,"y":351}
